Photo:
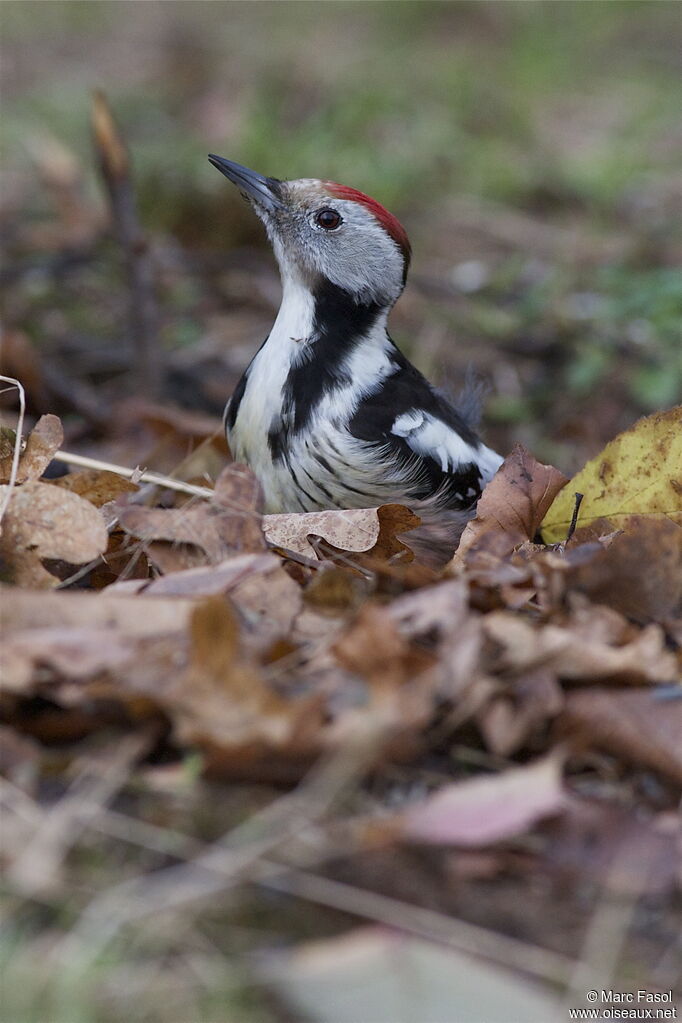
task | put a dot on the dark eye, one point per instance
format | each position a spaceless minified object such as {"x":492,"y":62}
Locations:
{"x":328,"y":219}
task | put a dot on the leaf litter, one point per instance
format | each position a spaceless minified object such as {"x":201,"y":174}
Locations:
{"x":265,"y":646}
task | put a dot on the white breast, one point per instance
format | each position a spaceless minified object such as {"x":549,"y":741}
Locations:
{"x":261,"y":403}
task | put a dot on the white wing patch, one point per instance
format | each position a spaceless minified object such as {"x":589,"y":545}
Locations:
{"x":432,"y":438}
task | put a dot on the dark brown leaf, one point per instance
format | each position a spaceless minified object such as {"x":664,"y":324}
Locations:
{"x":230,"y":522}
{"x":512,"y":506}
{"x":640,"y":727}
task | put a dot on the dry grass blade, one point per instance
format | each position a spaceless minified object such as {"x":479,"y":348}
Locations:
{"x":606,"y":935}
{"x":37,"y":866}
{"x":137,"y":475}
{"x":17,"y":443}
{"x":425,"y":923}
{"x":236,"y":858}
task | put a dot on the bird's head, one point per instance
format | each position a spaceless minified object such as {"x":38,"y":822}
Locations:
{"x":322,"y":230}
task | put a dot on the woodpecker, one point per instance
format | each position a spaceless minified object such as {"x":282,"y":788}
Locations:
{"x":330,"y":413}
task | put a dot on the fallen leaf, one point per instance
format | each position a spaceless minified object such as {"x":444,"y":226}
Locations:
{"x":512,"y":506}
{"x":509,"y":719}
{"x":639,"y":573}
{"x":45,"y":439}
{"x":637,"y":473}
{"x":77,"y":635}
{"x":75,"y":652}
{"x":439,"y":620}
{"x":488,"y":809}
{"x":524,"y":646}
{"x":230,"y":522}
{"x":336,"y":591}
{"x":382,"y":976}
{"x":353,"y":529}
{"x":45,"y":522}
{"x":640,"y":727}
{"x":26,"y":609}
{"x":98,"y":486}
{"x":373,"y":648}
{"x":223,"y":704}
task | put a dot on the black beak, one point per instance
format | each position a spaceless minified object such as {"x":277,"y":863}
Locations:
{"x":264,"y":191}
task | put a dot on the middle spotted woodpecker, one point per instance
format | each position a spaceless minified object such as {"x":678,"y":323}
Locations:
{"x":330,"y":413}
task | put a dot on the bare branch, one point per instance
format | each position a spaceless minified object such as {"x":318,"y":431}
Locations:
{"x":115,"y":168}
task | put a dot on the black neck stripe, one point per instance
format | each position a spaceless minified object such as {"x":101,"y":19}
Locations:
{"x":340,"y":323}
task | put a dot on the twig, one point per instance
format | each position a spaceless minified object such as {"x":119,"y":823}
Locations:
{"x":606,"y":933}
{"x":70,"y":458}
{"x":16,"y":454}
{"x":60,"y":828}
{"x":425,"y":923}
{"x":231,"y":861}
{"x":115,"y":168}
{"x":574,"y":519}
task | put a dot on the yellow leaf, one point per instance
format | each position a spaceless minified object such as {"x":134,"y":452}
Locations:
{"x":637,"y":473}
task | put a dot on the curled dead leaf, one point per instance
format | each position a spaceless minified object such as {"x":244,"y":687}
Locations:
{"x":512,"y":506}
{"x":230,"y":522}
{"x":46,"y":522}
{"x":373,"y":647}
{"x":524,"y":646}
{"x":45,"y":439}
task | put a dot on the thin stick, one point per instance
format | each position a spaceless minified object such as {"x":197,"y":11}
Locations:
{"x":574,"y":520}
{"x":16,"y":454}
{"x":424,"y":923}
{"x":137,"y":475}
{"x":115,"y":168}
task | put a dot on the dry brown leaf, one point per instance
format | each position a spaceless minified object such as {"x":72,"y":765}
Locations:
{"x":399,"y":699}
{"x":77,"y":635}
{"x":373,"y":648}
{"x":230,"y":522}
{"x":223,"y":705}
{"x":530,"y":702}
{"x":353,"y":529}
{"x":371,"y":531}
{"x":438,"y":610}
{"x":438,"y":618}
{"x":72,"y":652}
{"x":488,"y":809}
{"x":45,"y":439}
{"x":523,"y":646}
{"x":105,"y":657}
{"x":98,"y":486}
{"x":638,"y":726}
{"x":639,"y":572}
{"x":336,"y":590}
{"x":393,"y":519}
{"x":45,"y":522}
{"x":267,"y":598}
{"x":512,"y":506}
{"x":25,"y":609}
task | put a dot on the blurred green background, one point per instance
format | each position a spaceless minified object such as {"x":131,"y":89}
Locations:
{"x":531,"y":149}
